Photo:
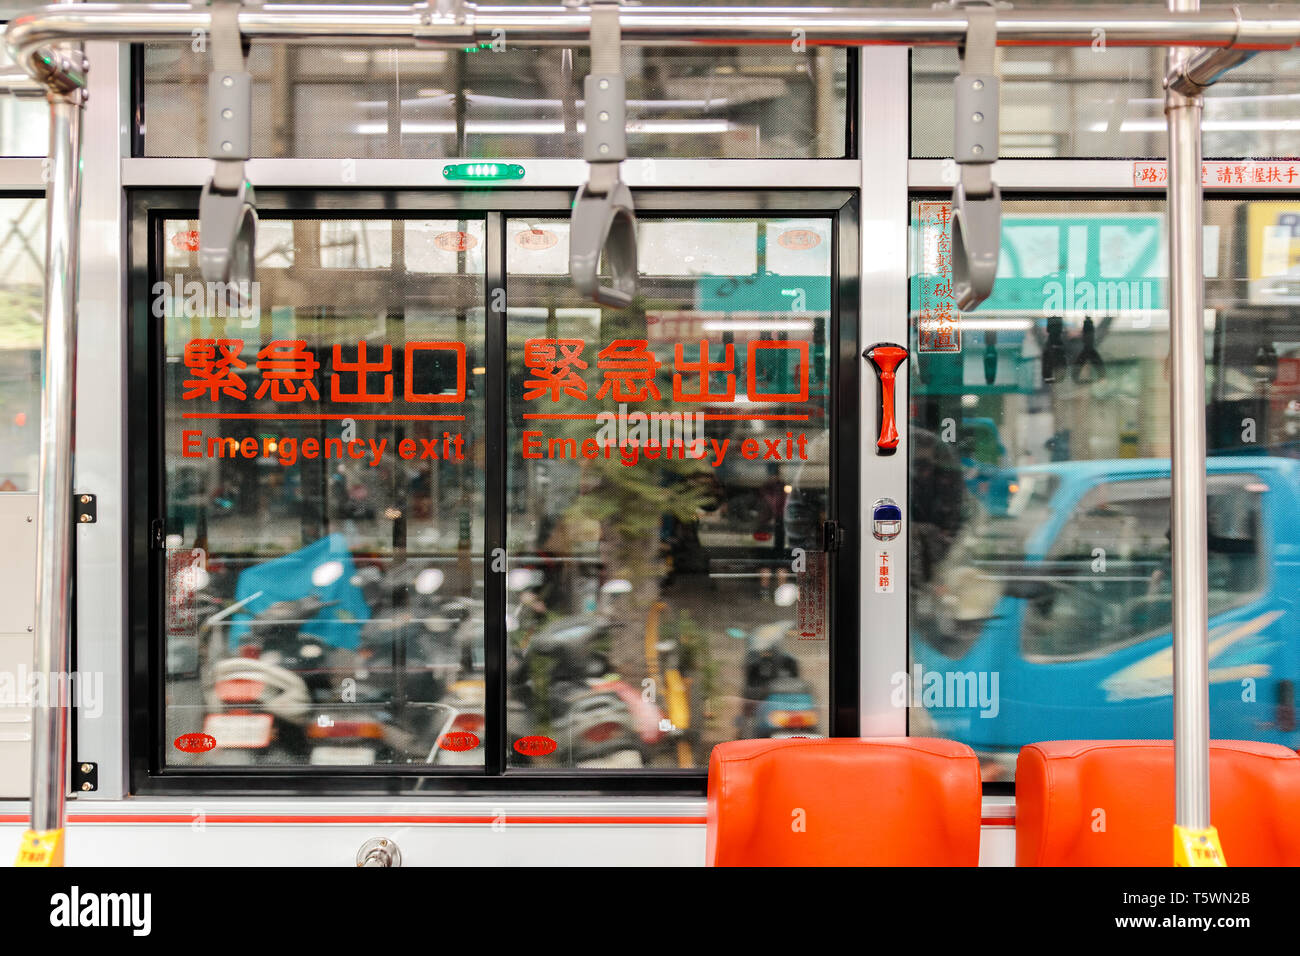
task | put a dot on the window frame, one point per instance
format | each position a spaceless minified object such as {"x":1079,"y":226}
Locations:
{"x":149,"y":208}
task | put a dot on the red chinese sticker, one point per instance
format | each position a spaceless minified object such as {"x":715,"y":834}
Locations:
{"x":797,"y":240}
{"x":455,"y":241}
{"x":458,"y":741}
{"x":188,"y":241}
{"x":535,"y":746}
{"x":195,"y":743}
{"x":536,"y":239}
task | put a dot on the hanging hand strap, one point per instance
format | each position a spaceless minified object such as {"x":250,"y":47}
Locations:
{"x":604,"y":220}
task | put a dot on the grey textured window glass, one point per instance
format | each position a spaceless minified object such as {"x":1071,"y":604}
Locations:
{"x":22,"y":244}
{"x":1082,"y":103}
{"x":722,"y":103}
{"x":24,"y":120}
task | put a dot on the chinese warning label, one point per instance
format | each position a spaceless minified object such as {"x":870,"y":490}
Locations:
{"x":810,"y":611}
{"x":884,"y":573}
{"x":938,"y":321}
{"x":1241,"y":173}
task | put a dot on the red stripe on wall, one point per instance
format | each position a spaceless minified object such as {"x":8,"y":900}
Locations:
{"x":360,"y":819}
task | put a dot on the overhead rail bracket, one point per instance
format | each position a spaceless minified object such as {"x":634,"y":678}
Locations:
{"x":227,"y":210}
{"x":976,"y":199}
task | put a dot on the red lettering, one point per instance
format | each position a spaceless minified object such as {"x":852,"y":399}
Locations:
{"x":456,"y":348}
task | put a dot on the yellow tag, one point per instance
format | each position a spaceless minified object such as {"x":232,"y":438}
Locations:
{"x":1197,"y":847}
{"x":679,"y":711}
{"x":41,"y":848}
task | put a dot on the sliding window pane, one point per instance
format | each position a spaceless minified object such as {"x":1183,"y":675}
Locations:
{"x":1040,"y":437}
{"x":324,"y":496}
{"x":668,"y":479}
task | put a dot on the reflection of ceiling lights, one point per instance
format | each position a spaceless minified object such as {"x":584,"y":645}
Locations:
{"x":996,"y":325}
{"x":432,"y":96}
{"x":1209,"y":126}
{"x":757,"y":325}
{"x":544,"y":127}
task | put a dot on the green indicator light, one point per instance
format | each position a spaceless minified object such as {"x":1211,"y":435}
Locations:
{"x":483,"y":172}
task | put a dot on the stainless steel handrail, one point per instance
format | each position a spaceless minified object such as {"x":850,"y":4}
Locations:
{"x":457,"y":24}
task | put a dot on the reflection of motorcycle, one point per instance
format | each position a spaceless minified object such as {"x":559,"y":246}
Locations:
{"x":260,"y":699}
{"x":777,"y":701}
{"x":561,"y":683}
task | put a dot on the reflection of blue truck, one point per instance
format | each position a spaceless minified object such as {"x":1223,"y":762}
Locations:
{"x":1062,"y":607}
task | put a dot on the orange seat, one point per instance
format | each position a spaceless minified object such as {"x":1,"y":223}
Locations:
{"x":882,"y":801}
{"x":1111,"y":803}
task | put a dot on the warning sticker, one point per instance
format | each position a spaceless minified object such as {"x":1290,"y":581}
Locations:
{"x":884,"y":573}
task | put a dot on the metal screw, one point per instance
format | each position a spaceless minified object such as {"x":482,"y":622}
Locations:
{"x":85,"y":499}
{"x":603,"y":116}
{"x":85,"y":519}
{"x":227,"y":113}
{"x":604,"y":147}
{"x":226,"y":147}
{"x":85,"y":768}
{"x":977,"y":149}
{"x":977,"y":117}
{"x":29,"y":519}
{"x":86,"y":785}
{"x":603,"y":84}
{"x":977,"y":84}
{"x":29,"y":628}
{"x":227,"y":81}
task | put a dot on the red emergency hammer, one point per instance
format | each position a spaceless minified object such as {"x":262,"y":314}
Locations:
{"x":886,"y":359}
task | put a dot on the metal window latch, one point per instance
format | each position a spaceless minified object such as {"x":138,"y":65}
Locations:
{"x":976,"y":199}
{"x":227,"y":210}
{"x":604,"y":220}
{"x":832,"y":535}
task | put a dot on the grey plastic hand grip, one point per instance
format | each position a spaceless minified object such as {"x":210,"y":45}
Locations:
{"x":976,"y":242}
{"x":227,"y":233}
{"x":604,"y":223}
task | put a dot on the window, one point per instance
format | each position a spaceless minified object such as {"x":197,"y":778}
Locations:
{"x":665,"y":462}
{"x":1040,"y":560}
{"x":414,"y":526}
{"x":22,"y":222}
{"x":24,"y":119}
{"x":324,"y":496}
{"x":1061,"y":102}
{"x":317,"y":102}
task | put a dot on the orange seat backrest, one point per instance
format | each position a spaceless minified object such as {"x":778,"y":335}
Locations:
{"x":882,"y":801}
{"x":1111,"y":803}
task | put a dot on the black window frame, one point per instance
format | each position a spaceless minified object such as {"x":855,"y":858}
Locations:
{"x":149,"y":208}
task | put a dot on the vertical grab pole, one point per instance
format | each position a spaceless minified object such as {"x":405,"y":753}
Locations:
{"x":42,"y":845}
{"x":1188,"y":535}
